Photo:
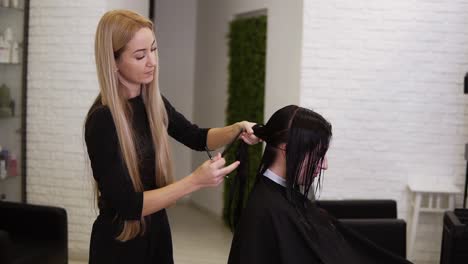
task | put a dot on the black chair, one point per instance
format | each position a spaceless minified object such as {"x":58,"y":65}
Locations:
{"x":454,"y":249}
{"x":33,"y":234}
{"x":358,"y":209}
{"x":374,"y":219}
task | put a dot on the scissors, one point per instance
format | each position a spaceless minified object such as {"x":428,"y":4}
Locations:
{"x":226,"y":149}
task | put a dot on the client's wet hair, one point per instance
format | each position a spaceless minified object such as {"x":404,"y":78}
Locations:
{"x":307,"y":137}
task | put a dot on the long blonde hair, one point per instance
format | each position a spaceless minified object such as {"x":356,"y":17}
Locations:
{"x":115,"y":29}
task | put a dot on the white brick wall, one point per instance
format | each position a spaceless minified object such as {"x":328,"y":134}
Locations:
{"x":62,"y":83}
{"x":389,"y":76}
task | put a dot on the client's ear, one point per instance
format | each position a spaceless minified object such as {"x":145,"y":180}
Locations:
{"x":282,"y":148}
{"x":281,"y":152}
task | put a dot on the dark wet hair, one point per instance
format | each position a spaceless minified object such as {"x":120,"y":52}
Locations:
{"x":307,"y":136}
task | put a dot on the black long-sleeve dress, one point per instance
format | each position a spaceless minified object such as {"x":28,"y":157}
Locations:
{"x":271,"y":231}
{"x":118,"y":200}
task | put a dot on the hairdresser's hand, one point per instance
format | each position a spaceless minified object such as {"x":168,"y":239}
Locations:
{"x":211,"y":173}
{"x":247,"y":134}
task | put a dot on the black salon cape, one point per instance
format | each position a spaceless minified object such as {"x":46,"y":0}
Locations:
{"x":270,"y":231}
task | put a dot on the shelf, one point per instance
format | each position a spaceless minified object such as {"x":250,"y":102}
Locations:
{"x":9,"y":178}
{"x":10,"y":64}
{"x":20,"y":10}
{"x":9,"y":118}
{"x":12,"y":123}
{"x":13,"y":75}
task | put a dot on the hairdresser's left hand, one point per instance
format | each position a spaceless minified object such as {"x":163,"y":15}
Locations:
{"x":247,"y":134}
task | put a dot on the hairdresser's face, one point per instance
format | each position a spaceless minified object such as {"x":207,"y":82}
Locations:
{"x":137,"y":63}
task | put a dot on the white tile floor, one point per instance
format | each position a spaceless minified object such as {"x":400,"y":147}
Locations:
{"x":198,"y":237}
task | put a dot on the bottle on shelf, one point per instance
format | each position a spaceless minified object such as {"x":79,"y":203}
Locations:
{"x":5,"y":102}
{"x":12,"y":46}
{"x":15,"y":3}
{"x":3,"y":173}
{"x":8,"y":34}
{"x":12,"y":107}
{"x":14,"y":58}
{"x":12,"y":166}
{"x":4,"y":50}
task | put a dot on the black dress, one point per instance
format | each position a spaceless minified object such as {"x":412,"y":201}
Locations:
{"x":118,"y":200}
{"x":271,"y":231}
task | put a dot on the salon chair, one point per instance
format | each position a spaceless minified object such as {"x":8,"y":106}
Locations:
{"x":374,"y":219}
{"x":32,"y":234}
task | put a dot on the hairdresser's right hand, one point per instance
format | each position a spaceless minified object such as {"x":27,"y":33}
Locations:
{"x":212,"y":172}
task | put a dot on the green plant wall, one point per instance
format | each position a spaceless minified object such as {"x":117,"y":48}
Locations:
{"x":247,"y":53}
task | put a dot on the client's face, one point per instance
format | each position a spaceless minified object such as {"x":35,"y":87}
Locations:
{"x":322,"y":165}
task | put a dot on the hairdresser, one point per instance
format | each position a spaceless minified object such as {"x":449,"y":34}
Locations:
{"x":127,"y":133}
